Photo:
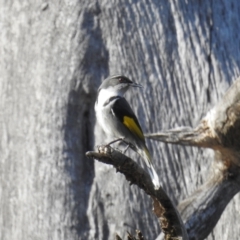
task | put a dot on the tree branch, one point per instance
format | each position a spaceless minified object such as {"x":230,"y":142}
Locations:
{"x":202,"y":210}
{"x":166,"y":212}
{"x":219,"y":130}
{"x":198,"y":137}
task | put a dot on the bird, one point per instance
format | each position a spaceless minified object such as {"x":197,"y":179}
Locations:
{"x":117,"y":119}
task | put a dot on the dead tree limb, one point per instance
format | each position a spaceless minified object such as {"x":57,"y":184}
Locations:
{"x":168,"y":216}
{"x":220,"y":131}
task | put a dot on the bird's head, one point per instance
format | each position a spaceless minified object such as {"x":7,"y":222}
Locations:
{"x":118,"y":84}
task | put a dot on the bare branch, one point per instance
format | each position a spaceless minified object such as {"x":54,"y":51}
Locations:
{"x":202,"y":210}
{"x":166,"y":212}
{"x":219,"y":130}
{"x":187,"y":136}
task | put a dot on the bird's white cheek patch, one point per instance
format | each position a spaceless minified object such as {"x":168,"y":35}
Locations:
{"x":105,"y":95}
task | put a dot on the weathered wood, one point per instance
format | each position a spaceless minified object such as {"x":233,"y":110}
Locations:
{"x":219,"y":130}
{"x":202,"y":210}
{"x":167,"y":214}
{"x":53,"y":57}
{"x":198,"y":137}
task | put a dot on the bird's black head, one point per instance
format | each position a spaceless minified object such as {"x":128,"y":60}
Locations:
{"x":118,"y":83}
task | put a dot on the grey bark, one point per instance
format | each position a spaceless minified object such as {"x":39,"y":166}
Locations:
{"x":219,"y":130}
{"x":53,"y":57}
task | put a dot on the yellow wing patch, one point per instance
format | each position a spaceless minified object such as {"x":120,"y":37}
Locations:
{"x":133,"y":126}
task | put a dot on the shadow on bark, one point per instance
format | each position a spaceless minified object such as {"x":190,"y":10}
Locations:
{"x":80,"y":114}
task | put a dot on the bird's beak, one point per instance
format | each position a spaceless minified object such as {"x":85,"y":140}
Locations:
{"x":136,"y":85}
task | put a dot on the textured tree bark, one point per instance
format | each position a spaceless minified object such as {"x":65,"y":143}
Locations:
{"x":44,"y":106}
{"x":219,"y":130}
{"x":53,"y":57}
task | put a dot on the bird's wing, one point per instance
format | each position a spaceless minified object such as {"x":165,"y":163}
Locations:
{"x":124,"y":113}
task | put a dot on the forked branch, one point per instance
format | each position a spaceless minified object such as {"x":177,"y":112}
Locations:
{"x":220,"y":131}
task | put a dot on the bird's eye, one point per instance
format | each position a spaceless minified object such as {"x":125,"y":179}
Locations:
{"x":120,"y":80}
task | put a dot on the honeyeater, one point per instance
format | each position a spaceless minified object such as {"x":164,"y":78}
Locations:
{"x":118,"y":120}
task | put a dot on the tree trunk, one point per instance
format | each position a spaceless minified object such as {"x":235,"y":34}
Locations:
{"x":53,"y":58}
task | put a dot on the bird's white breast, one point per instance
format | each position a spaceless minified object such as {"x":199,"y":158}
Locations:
{"x":101,"y":110}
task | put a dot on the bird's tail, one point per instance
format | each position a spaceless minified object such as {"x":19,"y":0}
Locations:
{"x":146,"y":155}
